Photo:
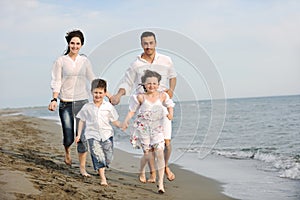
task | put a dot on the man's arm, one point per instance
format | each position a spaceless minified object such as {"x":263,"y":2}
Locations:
{"x":172,"y":85}
{"x":115,"y":99}
{"x":125,"y":86}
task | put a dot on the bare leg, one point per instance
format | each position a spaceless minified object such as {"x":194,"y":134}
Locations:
{"x":102,"y":176}
{"x":68,"y":159}
{"x":151,"y":164}
{"x":167,"y":152}
{"x":143,"y":163}
{"x":159,"y":153}
{"x":82,"y":161}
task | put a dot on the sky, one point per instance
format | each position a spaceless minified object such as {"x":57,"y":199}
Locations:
{"x":253,"y":45}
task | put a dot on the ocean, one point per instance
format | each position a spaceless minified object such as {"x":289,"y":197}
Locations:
{"x":255,"y":155}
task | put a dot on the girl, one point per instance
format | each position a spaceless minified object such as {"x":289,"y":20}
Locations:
{"x":148,"y":126}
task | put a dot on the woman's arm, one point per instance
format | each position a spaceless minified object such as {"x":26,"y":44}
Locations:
{"x":80,"y":128}
{"x":53,"y":104}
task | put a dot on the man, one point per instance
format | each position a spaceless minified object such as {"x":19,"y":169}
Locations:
{"x":130,"y":84}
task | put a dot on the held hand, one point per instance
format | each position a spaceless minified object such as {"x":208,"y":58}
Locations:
{"x":170,"y":93}
{"x":77,"y":139}
{"x":52,"y":106}
{"x":124,"y":126}
{"x":114,"y":99}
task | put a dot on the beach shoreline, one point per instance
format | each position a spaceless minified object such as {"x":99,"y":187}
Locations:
{"x":32,"y":156}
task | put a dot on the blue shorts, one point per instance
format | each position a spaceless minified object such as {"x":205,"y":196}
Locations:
{"x":101,"y":152}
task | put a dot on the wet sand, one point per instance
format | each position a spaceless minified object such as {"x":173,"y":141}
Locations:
{"x":32,"y":167}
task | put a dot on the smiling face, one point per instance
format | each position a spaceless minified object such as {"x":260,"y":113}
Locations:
{"x":98,"y":95}
{"x":148,"y":44}
{"x":151,"y":84}
{"x":75,"y":45}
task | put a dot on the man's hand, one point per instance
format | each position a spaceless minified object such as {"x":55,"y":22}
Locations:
{"x":170,"y":93}
{"x":115,"y":99}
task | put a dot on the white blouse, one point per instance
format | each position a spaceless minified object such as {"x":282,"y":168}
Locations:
{"x":71,"y":79}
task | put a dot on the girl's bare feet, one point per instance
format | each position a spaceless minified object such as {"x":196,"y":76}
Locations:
{"x":161,"y":189}
{"x":152,"y":178}
{"x":142,"y":177}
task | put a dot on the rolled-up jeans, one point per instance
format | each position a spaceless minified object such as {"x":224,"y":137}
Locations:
{"x":67,"y":114}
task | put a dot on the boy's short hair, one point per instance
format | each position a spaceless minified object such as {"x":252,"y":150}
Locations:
{"x":98,"y":83}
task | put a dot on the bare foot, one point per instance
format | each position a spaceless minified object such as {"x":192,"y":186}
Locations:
{"x":142,"y":177}
{"x":152,"y":178}
{"x":103,"y":182}
{"x":169,"y":174}
{"x":84,"y":173}
{"x":161,"y":189}
{"x":68,"y":159}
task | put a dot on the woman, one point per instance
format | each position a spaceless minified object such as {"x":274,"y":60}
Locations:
{"x":70,"y":74}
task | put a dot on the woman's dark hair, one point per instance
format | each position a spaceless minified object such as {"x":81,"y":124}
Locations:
{"x":99,"y":83}
{"x":70,"y":35}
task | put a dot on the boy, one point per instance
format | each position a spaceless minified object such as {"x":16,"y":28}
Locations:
{"x":96,"y":118}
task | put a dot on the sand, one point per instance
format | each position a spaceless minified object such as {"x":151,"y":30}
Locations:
{"x":32,"y":167}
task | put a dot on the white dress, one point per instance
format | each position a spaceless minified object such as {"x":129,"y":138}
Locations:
{"x":148,"y":127}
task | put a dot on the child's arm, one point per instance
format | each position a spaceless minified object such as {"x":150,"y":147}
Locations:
{"x":134,"y":103}
{"x":117,"y":124}
{"x":126,"y":121}
{"x":80,"y":128}
{"x":169,"y":104}
{"x":170,"y":113}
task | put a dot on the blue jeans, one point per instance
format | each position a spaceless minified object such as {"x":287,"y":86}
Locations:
{"x":67,"y":114}
{"x":101,"y":152}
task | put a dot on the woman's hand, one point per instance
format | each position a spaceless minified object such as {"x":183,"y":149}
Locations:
{"x":52,"y":106}
{"x":77,"y":139}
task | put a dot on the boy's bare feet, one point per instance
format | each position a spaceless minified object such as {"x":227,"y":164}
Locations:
{"x":103,"y":182}
{"x":170,"y":175}
{"x":142,"y":177}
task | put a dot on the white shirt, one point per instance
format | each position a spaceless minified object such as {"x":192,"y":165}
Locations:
{"x":97,"y":120}
{"x":161,"y":64}
{"x":71,"y":79}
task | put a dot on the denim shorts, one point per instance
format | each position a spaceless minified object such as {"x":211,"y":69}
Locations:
{"x":101,"y":152}
{"x":67,"y":113}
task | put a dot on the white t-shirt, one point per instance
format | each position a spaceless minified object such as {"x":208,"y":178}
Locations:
{"x":161,"y":64}
{"x":97,"y":120}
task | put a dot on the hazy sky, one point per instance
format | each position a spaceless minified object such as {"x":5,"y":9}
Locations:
{"x":255,"y":45}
